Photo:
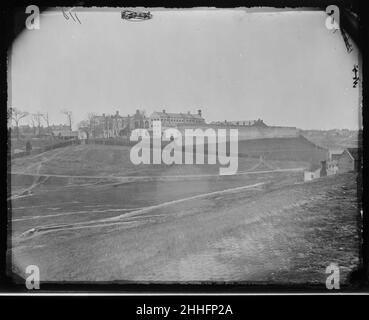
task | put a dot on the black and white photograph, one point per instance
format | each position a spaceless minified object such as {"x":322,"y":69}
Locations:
{"x":185,"y":146}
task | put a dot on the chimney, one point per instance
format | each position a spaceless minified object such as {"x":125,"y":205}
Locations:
{"x":163,"y":110}
{"x":103,"y":115}
{"x":188,"y":112}
{"x":137,"y":111}
{"x":117,"y":113}
{"x":199,"y":112}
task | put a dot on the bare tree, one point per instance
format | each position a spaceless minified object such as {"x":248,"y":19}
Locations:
{"x":37,"y":117}
{"x":16,"y":115}
{"x":45,"y":116}
{"x":84,"y":126}
{"x":69,"y":117}
{"x":33,"y":123}
{"x":92,"y":122}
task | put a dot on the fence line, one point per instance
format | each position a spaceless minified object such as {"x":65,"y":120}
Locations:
{"x":43,"y":149}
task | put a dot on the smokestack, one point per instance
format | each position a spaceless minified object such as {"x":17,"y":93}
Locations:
{"x":199,"y":112}
{"x":117,"y":113}
{"x":163,"y":110}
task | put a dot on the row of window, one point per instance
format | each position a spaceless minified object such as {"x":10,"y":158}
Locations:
{"x":178,"y":120}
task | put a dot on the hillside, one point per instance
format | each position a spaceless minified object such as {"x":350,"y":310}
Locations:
{"x":334,"y":139}
{"x":293,"y":149}
{"x":105,"y":160}
{"x":276,"y":235}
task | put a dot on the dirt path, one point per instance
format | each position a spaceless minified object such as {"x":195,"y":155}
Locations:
{"x":151,"y":177}
{"x":38,"y":178}
{"x":279,"y":234}
{"x":122,"y":218}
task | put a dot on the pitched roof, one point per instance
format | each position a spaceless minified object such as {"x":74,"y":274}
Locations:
{"x":336,"y":156}
{"x":355,"y":153}
{"x":177,"y":115}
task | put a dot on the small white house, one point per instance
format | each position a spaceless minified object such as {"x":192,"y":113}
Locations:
{"x":348,"y":160}
{"x":312,"y":173}
{"x":82,"y":135}
{"x":332,"y":167}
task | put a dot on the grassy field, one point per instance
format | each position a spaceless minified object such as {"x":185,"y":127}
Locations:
{"x":117,"y":221}
{"x":334,"y":141}
{"x":37,"y":143}
{"x":102,"y":160}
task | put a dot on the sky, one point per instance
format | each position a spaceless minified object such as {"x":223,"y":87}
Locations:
{"x":286,"y":68}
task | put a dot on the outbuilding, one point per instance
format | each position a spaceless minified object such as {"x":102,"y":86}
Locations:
{"x":349,"y":160}
{"x":313,"y":172}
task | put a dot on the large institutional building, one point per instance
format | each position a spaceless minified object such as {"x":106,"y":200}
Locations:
{"x":116,"y":125}
{"x":241,"y":123}
{"x":177,"y":119}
